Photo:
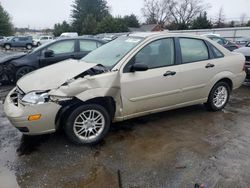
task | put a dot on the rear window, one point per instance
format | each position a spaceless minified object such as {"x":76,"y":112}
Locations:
{"x":193,"y":50}
{"x":217,"y":52}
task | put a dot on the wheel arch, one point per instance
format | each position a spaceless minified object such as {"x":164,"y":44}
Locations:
{"x":225,"y":76}
{"x":7,"y":44}
{"x":107,"y":102}
{"x":22,"y":66}
{"x":228,"y":81}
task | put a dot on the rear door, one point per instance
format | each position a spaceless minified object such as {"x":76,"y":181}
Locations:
{"x":22,"y":41}
{"x":197,"y":69}
{"x":63,"y":50}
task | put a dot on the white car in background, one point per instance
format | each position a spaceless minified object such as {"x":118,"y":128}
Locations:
{"x":69,"y":34}
{"x":42,"y":40}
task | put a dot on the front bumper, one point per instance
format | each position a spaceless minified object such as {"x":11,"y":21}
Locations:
{"x":18,"y":116}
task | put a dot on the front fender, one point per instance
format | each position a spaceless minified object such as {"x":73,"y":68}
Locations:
{"x":99,"y":92}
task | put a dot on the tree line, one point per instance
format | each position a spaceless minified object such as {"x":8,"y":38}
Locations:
{"x":6,"y":27}
{"x":93,"y":16}
{"x":90,"y":17}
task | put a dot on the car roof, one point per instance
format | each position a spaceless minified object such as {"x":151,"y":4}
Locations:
{"x":85,"y":38}
{"x":164,"y":33}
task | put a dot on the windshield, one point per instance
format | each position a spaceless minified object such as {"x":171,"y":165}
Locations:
{"x":111,"y":53}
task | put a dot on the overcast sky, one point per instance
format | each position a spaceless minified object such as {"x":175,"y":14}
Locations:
{"x":40,"y":14}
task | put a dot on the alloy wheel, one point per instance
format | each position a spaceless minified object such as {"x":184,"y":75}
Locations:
{"x":220,"y":96}
{"x":89,"y":125}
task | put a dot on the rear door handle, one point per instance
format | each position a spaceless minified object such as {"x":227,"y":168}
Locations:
{"x":169,"y":73}
{"x":209,"y":65}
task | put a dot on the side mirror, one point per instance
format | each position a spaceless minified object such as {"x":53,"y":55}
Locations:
{"x":49,"y":53}
{"x":139,"y":67}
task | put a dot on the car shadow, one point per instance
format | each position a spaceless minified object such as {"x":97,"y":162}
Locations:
{"x":31,"y":144}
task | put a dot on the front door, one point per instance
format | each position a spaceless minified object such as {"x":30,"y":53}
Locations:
{"x":156,"y":88}
{"x":62,"y":50}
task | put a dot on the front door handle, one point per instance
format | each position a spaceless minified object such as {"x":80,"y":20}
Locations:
{"x":209,"y":65}
{"x":169,"y":73}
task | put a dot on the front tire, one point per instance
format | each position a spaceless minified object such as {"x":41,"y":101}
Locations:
{"x":7,"y":46}
{"x":218,"y":97}
{"x":87,"y":124}
{"x":23,"y":71}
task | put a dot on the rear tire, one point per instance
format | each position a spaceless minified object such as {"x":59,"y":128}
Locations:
{"x":218,"y":97}
{"x":87,"y":124}
{"x":23,"y":71}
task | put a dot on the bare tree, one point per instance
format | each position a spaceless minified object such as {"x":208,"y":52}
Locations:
{"x":184,"y":11}
{"x":221,"y":18}
{"x":177,"y":11}
{"x":157,"y":11}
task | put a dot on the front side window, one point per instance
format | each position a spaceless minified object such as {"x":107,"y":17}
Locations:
{"x":159,"y":53}
{"x":87,"y":45}
{"x":62,"y":47}
{"x":193,"y":50}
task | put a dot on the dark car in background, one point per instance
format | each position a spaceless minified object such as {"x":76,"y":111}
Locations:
{"x":224,"y":42}
{"x":246,"y":52}
{"x":17,"y":42}
{"x":13,"y":67}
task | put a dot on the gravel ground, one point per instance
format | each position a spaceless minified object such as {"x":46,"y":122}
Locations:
{"x":171,"y":149}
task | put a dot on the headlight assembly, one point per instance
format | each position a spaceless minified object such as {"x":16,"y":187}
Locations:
{"x":56,"y":99}
{"x":36,"y":97}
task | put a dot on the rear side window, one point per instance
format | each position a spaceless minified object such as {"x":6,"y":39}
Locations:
{"x":193,"y":50}
{"x":87,"y":45}
{"x":217,"y":53}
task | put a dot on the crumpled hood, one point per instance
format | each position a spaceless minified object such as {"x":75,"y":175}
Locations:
{"x":12,"y":57}
{"x":53,"y":76}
